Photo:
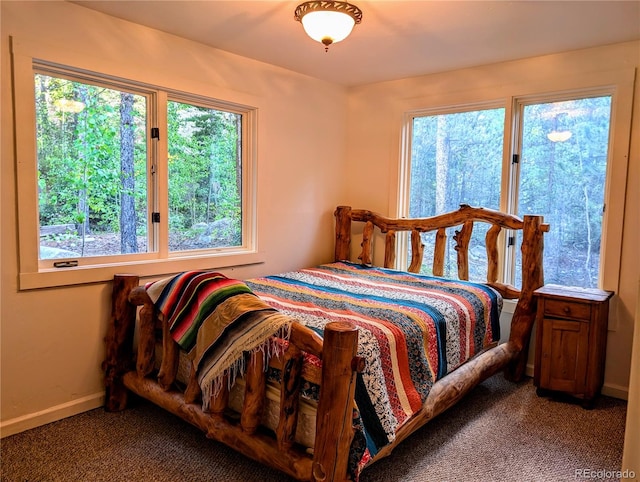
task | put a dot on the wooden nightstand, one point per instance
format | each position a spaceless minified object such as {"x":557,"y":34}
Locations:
{"x":571,"y":340}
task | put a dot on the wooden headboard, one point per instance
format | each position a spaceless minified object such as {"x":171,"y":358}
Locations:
{"x":465,"y":217}
{"x":532,"y":227}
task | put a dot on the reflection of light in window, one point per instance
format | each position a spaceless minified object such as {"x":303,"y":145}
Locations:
{"x":68,"y":105}
{"x":559,"y":136}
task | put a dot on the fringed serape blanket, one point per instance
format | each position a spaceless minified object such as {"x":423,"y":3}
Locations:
{"x":217,"y":320}
{"x":412,"y":331}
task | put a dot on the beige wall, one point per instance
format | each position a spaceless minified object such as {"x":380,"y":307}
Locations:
{"x":51,"y":339}
{"x":375,"y":120}
{"x":631,"y":455}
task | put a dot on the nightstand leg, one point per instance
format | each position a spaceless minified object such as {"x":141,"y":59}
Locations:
{"x":587,"y":403}
{"x":543,"y":392}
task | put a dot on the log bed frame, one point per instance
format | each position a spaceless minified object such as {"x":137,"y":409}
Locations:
{"x":132,"y":370}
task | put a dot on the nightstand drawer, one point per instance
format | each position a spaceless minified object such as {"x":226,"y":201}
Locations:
{"x":567,"y":309}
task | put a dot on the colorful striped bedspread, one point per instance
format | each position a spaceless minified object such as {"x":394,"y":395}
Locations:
{"x":413,"y":330}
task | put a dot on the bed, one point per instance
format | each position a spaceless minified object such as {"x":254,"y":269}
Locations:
{"x":341,"y":362}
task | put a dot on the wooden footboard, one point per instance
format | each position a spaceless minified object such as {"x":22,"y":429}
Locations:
{"x":135,"y":370}
{"x":241,"y":431}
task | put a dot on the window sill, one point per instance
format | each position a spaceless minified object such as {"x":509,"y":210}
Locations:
{"x":49,"y":278}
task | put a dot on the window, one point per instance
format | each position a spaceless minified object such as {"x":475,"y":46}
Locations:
{"x":456,"y":158}
{"x":93,"y":165}
{"x":205,"y":177}
{"x":562,"y":172}
{"x":92,"y":169}
{"x":114,"y":171}
{"x":557,"y":168}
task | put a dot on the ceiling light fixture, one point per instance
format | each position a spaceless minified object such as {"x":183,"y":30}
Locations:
{"x":328,"y":22}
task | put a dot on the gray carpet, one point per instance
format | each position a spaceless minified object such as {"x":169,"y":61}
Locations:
{"x":499,"y":432}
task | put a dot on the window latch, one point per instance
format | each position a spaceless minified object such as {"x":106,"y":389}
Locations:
{"x":66,"y":264}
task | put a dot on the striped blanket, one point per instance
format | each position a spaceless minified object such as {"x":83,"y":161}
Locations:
{"x":413,"y":330}
{"x":216,"y":320}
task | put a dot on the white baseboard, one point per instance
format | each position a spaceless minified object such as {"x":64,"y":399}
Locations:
{"x":608,"y":389}
{"x":615,"y":391}
{"x":53,"y":414}
{"x":528,"y":371}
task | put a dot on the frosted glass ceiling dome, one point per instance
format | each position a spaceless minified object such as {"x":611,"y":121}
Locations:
{"x":328,"y":22}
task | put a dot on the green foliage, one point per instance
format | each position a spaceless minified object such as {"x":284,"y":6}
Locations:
{"x":79,"y":154}
{"x":80,"y":165}
{"x":84,"y":153}
{"x":472,"y":160}
{"x":457,"y":158}
{"x":571,"y":175}
{"x":203,"y":171}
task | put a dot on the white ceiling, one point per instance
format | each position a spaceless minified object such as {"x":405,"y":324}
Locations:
{"x":396,"y":38}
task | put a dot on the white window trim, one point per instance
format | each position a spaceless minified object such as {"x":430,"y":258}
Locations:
{"x":31,"y":275}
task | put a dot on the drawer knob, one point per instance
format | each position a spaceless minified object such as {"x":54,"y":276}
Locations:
{"x":567,"y":310}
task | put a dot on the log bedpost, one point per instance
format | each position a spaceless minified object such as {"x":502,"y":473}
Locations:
{"x":254,"y":395}
{"x":439,"y":252}
{"x":491,"y":244}
{"x":366,"y":257}
{"x":334,"y":422}
{"x":289,"y":397}
{"x":532,"y":279}
{"x":462,"y":239}
{"x":147,"y":340}
{"x":417,"y":252}
{"x":192,"y":392}
{"x":343,"y":233}
{"x":119,"y":342}
{"x":170,"y":359}
{"x":390,"y":249}
{"x":219,"y":400}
